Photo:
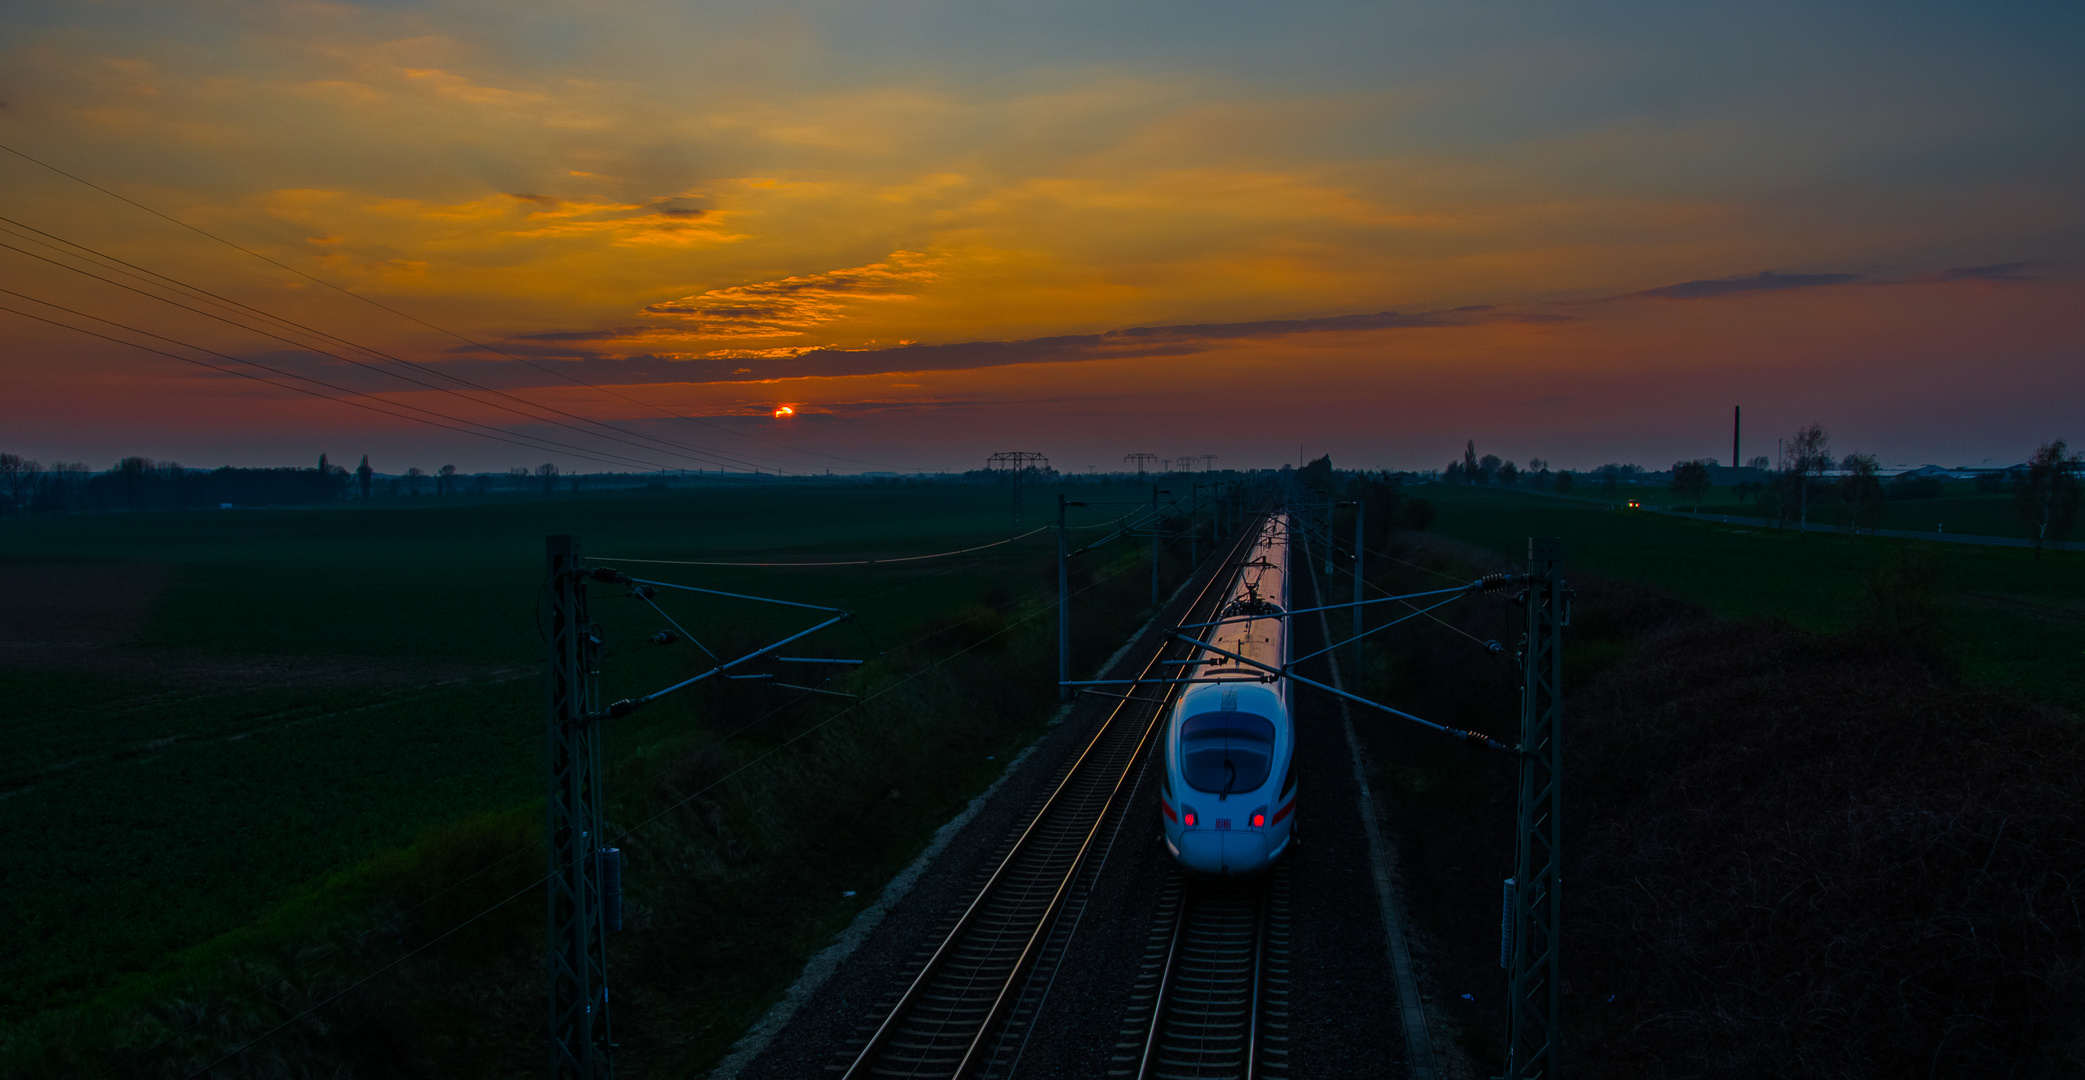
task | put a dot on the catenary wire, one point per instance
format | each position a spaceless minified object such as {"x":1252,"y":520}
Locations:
{"x":720,"y":740}
{"x":630,"y":831}
{"x":851,"y":562}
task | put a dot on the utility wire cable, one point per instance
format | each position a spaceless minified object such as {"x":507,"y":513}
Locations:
{"x":851,"y":562}
{"x":423,"y":322}
{"x":359,"y":363}
{"x":1387,"y":594}
{"x":625,"y":834}
{"x":713,"y":457}
{"x":646,"y":783}
{"x":502,"y":435}
{"x":779,"y":747}
{"x":547,"y":444}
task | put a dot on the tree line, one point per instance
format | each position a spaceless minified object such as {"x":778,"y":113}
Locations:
{"x":2047,"y":490}
{"x":140,"y":483}
{"x":28,"y":486}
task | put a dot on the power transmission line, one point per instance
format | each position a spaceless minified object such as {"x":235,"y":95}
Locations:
{"x":423,"y":322}
{"x":215,"y":299}
{"x":696,"y":453}
{"x":490,"y":432}
{"x":357,"y":363}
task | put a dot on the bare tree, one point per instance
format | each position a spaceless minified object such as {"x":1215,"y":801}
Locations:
{"x":363,"y":473}
{"x":445,"y":480}
{"x":1469,"y":462}
{"x":1690,"y":481}
{"x":1861,"y":490}
{"x":2047,"y":494}
{"x":19,"y":475}
{"x":547,"y":472}
{"x":413,"y":476}
{"x":518,"y":476}
{"x":1804,"y":458}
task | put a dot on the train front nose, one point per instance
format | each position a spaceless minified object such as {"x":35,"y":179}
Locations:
{"x":1223,"y":851}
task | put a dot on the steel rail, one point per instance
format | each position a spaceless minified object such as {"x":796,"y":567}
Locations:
{"x":1259,"y":965}
{"x":1068,"y":788}
{"x":1211,"y":1004}
{"x":1164,"y":990}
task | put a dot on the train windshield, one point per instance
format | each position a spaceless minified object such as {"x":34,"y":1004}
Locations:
{"x":1225,"y":752}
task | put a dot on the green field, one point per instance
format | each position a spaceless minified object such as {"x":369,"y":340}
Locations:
{"x":240,"y":738}
{"x":2009,"y":619}
{"x":1958,"y":509}
{"x":303,"y":690}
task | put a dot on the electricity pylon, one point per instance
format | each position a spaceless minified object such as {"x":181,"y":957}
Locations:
{"x":1533,"y":983}
{"x":1020,"y":461}
{"x":578,"y":950}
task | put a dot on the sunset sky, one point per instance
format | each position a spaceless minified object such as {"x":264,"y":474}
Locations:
{"x":939,"y":229}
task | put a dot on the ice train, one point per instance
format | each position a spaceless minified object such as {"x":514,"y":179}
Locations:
{"x":1229,"y":796}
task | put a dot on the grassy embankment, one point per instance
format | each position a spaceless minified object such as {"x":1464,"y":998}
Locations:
{"x":191,"y":839}
{"x":1821,"y":795}
{"x":2010,"y":620}
{"x":1958,"y":509}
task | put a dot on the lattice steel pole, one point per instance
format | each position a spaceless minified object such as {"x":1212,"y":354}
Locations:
{"x":577,"y":963}
{"x":1360,"y":512}
{"x":1532,"y":1039}
{"x":1154,"y":545}
{"x":1063,"y":606}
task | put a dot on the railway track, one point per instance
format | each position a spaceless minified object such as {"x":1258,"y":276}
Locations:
{"x":1212,"y":999}
{"x":950,"y":1018}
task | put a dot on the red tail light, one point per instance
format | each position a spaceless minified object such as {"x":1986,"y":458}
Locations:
{"x":1259,"y":821}
{"x":1188,"y":819}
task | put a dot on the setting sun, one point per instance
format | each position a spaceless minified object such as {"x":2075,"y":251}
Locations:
{"x":784,"y":410}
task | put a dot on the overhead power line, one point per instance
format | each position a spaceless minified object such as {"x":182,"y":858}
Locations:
{"x":443,"y":420}
{"x":366,"y":365}
{"x":567,"y":377}
{"x":695,"y":453}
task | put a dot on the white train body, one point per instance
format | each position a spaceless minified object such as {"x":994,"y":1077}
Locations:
{"x":1229,"y":796}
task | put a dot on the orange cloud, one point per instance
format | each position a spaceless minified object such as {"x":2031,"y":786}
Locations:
{"x":789,"y":306}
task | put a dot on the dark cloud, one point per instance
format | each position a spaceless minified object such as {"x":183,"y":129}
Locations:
{"x":603,"y":361}
{"x":2007,"y":271}
{"x":672,"y":352}
{"x":675,"y":208}
{"x":609,"y":334}
{"x":1765,"y":281}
